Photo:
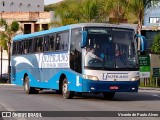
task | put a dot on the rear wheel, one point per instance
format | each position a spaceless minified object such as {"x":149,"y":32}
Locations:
{"x":108,"y":95}
{"x":65,"y":92}
{"x":27,"y":88}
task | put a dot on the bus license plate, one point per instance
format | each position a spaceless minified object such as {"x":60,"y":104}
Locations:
{"x":114,"y":87}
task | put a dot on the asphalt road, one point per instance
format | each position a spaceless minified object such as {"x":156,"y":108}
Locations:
{"x":12,"y":98}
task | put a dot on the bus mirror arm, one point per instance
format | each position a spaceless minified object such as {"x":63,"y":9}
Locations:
{"x":142,"y":43}
{"x":84,"y":39}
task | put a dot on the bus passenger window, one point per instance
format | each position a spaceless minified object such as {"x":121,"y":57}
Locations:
{"x":35,"y":40}
{"x":40,"y":44}
{"x":14,"y":48}
{"x":30,"y":46}
{"x":64,"y":41}
{"x":25,"y":46}
{"x":22,"y":47}
{"x":17,"y":47}
{"x":46,"y":45}
{"x":51,"y":43}
{"x":58,"y":40}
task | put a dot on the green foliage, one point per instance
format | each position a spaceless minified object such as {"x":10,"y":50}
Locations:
{"x":3,"y":23}
{"x":156,"y":44}
{"x":79,"y":11}
{"x":14,"y":26}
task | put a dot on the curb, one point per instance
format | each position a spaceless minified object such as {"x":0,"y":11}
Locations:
{"x":143,"y":88}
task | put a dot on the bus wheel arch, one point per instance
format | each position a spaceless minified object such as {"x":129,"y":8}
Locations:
{"x":64,"y":87}
{"x":27,"y":88}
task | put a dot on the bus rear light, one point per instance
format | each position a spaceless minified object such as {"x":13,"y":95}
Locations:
{"x":90,"y":77}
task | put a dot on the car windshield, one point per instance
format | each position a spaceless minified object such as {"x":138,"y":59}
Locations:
{"x":110,"y":48}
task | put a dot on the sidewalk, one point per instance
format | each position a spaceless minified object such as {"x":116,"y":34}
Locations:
{"x":149,"y":88}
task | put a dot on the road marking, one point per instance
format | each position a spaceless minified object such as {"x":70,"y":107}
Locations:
{"x":7,"y":84}
{"x":155,"y":95}
{"x":8,"y":108}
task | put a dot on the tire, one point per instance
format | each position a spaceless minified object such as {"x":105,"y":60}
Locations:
{"x":108,"y":95}
{"x":66,"y":94}
{"x":27,"y":88}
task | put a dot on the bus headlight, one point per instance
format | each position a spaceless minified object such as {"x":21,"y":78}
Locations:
{"x":90,"y":77}
{"x":135,"y":78}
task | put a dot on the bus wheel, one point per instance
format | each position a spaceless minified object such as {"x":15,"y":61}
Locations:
{"x":108,"y":95}
{"x":66,"y":94}
{"x":27,"y":88}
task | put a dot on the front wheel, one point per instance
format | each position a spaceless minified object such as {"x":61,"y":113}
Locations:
{"x":108,"y":95}
{"x":27,"y":88}
{"x":65,"y":92}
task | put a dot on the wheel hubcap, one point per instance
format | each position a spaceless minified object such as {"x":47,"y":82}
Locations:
{"x":26,"y":86}
{"x":65,"y":88}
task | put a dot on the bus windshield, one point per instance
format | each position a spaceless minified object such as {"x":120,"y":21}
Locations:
{"x":110,"y":48}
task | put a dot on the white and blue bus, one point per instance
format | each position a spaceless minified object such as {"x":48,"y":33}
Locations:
{"x":56,"y":59}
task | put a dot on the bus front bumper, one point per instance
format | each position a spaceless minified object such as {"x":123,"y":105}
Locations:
{"x":108,"y":86}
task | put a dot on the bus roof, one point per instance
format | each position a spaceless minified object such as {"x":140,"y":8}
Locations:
{"x":67,"y":27}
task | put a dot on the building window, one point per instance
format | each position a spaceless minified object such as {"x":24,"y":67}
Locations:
{"x":29,"y":5}
{"x":38,"y":5}
{"x":3,"y":3}
{"x":20,"y":4}
{"x":154,"y":20}
{"x":11,"y":3}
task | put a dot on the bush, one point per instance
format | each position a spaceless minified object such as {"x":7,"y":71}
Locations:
{"x":156,"y":44}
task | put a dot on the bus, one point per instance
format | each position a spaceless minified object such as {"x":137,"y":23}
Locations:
{"x":57,"y":59}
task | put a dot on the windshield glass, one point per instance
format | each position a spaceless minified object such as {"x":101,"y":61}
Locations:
{"x":110,"y":48}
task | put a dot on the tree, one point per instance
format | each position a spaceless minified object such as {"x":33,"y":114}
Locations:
{"x":79,"y":11}
{"x":10,"y":31}
{"x":137,"y":8}
{"x":156,"y":44}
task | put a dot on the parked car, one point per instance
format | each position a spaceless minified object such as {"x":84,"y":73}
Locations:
{"x":5,"y":77}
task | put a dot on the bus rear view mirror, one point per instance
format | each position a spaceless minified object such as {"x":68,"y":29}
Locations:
{"x":84,"y":39}
{"x":142,"y":42}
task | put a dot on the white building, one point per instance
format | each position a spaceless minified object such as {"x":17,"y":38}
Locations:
{"x":21,"y":5}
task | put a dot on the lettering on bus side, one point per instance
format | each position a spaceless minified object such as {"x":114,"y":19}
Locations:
{"x":55,"y":60}
{"x":114,"y":76}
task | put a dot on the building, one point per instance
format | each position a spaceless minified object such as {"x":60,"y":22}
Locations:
{"x":152,"y":13}
{"x":151,"y":22}
{"x":29,"y":21}
{"x":21,"y":5}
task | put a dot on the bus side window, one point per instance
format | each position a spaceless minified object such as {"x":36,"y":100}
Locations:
{"x":58,"y":40}
{"x":17,"y":47}
{"x":22,"y":47}
{"x":64,"y":41}
{"x":25,"y":46}
{"x":40,"y":44}
{"x":51,"y":43}
{"x":14,"y":48}
{"x":30,"y":46}
{"x":35,"y":41}
{"x":46,"y":41}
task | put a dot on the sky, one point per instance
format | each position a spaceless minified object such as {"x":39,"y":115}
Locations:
{"x":46,"y":2}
